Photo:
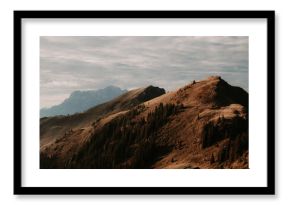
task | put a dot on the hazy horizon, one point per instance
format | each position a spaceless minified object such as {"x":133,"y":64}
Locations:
{"x":72,"y":63}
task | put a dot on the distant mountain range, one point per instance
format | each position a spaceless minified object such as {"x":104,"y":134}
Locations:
{"x":80,"y":101}
{"x":202,"y":125}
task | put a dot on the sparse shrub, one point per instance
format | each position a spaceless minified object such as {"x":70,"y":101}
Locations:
{"x":224,"y":153}
{"x":212,"y":160}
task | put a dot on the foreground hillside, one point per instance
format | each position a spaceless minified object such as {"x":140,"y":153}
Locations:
{"x":202,"y":125}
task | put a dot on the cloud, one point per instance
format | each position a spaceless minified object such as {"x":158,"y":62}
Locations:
{"x":81,"y":63}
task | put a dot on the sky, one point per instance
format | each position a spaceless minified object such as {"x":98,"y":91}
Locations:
{"x":70,"y":63}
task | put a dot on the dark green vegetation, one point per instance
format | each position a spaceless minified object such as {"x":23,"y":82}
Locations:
{"x":235,"y":131}
{"x":125,"y":142}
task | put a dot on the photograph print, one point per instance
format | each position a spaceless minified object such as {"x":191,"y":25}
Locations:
{"x":144,"y":102}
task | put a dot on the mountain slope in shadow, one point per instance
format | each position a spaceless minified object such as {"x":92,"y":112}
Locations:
{"x":53,"y":128}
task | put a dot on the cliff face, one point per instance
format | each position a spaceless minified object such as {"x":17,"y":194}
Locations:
{"x":201,"y":125}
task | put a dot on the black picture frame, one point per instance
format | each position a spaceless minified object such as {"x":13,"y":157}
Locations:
{"x":268,"y":190}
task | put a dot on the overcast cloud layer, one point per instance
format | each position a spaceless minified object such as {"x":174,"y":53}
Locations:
{"x":83,"y":63}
